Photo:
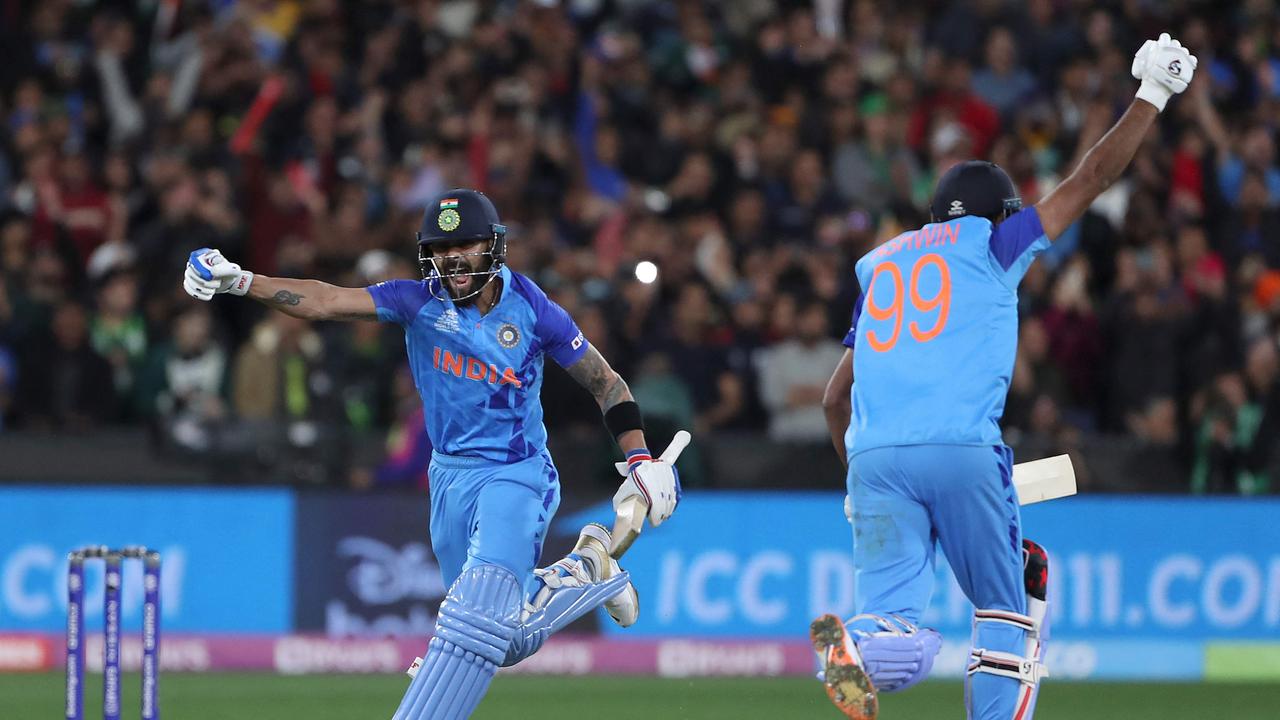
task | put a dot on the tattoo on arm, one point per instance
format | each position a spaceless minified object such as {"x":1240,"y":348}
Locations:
{"x":593,"y":373}
{"x":284,"y":297}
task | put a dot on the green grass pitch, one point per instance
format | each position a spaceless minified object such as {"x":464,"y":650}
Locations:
{"x":234,"y":696}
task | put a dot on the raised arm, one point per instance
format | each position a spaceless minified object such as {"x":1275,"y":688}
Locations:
{"x":1165,"y":68}
{"x":209,"y":273}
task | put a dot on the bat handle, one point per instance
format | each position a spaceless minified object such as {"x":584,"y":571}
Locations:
{"x":678,"y":443}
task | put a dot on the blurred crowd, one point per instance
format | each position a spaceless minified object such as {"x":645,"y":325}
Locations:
{"x":751,"y":150}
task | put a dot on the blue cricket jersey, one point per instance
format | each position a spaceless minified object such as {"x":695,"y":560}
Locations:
{"x":935,"y":332}
{"x":480,"y":376}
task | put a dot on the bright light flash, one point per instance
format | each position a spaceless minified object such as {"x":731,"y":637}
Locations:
{"x":646,"y":272}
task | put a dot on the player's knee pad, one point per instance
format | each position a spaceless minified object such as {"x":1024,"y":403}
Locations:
{"x":477,"y":619}
{"x":1026,"y":667}
{"x":898,"y":654}
{"x":561,"y":600}
{"x":481,"y":612}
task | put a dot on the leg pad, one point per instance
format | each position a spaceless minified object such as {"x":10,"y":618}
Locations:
{"x":477,"y":620}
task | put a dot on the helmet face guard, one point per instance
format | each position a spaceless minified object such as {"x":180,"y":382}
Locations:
{"x":436,"y":276}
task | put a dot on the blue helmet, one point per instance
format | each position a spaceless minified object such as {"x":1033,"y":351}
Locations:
{"x":458,"y":216}
{"x":974,"y":187}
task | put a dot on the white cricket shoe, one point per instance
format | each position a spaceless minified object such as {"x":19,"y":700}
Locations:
{"x":593,"y":547}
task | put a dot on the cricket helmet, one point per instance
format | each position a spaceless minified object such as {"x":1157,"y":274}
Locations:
{"x":974,"y":187}
{"x":459,"y":216}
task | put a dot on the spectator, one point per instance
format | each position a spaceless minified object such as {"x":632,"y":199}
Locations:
{"x":63,"y":379}
{"x":1002,"y":83}
{"x":183,"y":383}
{"x":408,"y":446}
{"x":71,"y":202}
{"x":793,"y":376}
{"x":282,"y":384}
{"x":1238,"y":431}
{"x":700,"y":362}
{"x":117,"y":331}
{"x":955,"y":101}
{"x":876,"y":170}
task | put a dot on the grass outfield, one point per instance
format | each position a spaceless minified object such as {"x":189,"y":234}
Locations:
{"x":232,"y":696}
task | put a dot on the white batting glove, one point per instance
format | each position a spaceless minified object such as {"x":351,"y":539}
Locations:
{"x":1165,"y":69}
{"x":209,"y":273}
{"x":654,"y":479}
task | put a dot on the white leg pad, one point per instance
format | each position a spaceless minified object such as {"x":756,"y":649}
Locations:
{"x":1026,"y":668}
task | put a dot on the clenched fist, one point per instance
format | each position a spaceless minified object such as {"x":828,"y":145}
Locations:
{"x":1165,"y":69}
{"x":209,"y":273}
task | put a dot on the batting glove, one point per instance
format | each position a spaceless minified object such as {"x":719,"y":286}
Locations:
{"x":209,"y":273}
{"x":1165,"y":69}
{"x":653,"y":479}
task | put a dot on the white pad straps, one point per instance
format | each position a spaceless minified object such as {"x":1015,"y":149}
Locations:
{"x":1029,"y":670}
{"x":1018,"y":620}
{"x":1007,"y":665}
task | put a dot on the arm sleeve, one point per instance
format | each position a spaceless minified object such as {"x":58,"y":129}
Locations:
{"x":398,"y":301}
{"x":1015,"y":243}
{"x":559,"y":334}
{"x":851,"y":337}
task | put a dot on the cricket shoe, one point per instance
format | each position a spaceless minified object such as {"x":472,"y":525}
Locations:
{"x":843,"y":673}
{"x":593,"y":547}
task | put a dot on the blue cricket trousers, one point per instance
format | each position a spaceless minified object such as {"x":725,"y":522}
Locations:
{"x":488,"y":513}
{"x":909,"y":499}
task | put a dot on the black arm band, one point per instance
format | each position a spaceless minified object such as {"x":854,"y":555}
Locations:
{"x":623,"y":417}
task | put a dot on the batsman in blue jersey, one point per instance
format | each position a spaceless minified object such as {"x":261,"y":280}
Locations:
{"x":477,"y":334}
{"x":914,"y":408}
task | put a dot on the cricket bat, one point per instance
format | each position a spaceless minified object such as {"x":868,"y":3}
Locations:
{"x":633,"y":511}
{"x":1041,"y":480}
{"x":1035,"y":481}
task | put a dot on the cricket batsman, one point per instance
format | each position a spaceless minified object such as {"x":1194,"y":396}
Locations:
{"x":932,"y":350}
{"x":476,"y":335}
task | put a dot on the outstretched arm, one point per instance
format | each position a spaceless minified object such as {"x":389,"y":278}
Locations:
{"x":209,"y":273}
{"x":1165,"y":68}
{"x":312,"y":299}
{"x":836,"y":404}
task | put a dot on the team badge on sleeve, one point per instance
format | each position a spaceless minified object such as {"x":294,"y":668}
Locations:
{"x":508,"y":335}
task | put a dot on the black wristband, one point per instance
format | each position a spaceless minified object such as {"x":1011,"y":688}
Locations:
{"x":623,"y":417}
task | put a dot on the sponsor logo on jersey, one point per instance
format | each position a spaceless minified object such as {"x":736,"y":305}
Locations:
{"x":508,"y":335}
{"x":464,"y":366}
{"x":578,"y":341}
{"x":448,"y":321}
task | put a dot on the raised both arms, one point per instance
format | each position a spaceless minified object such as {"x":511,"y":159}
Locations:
{"x":312,"y":299}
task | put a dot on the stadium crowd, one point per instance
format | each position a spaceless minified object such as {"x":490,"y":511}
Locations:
{"x":751,"y":150}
